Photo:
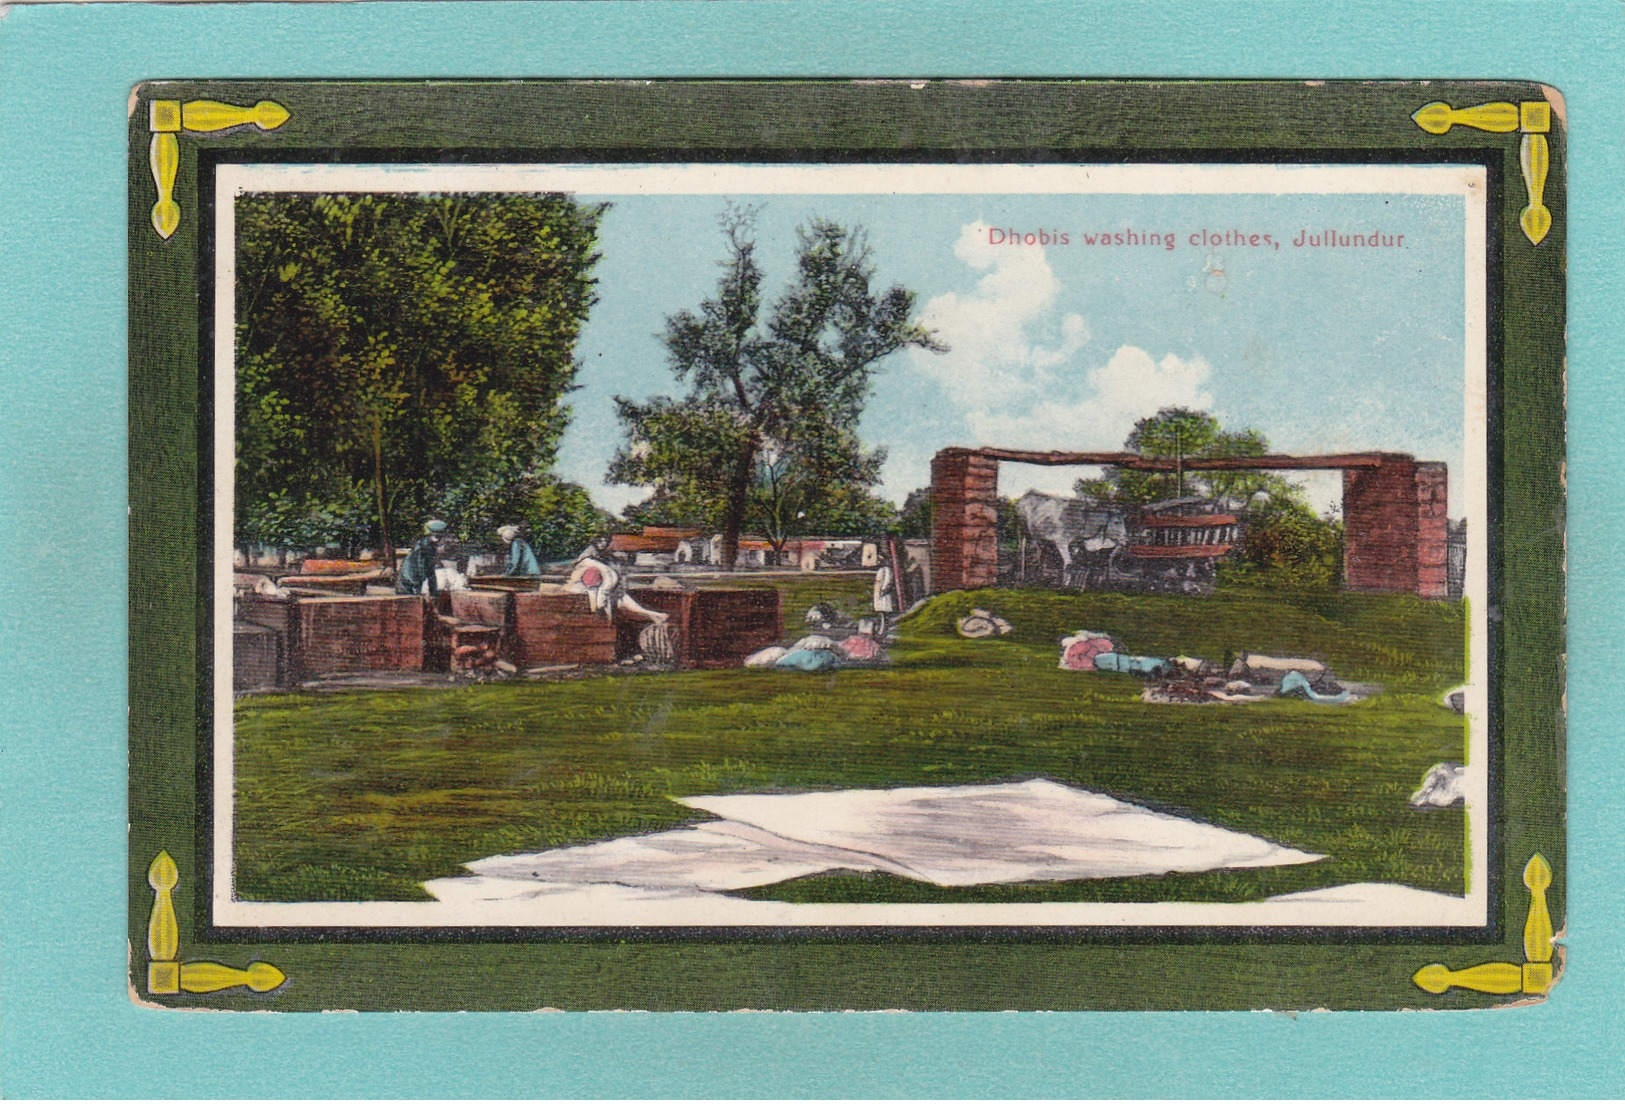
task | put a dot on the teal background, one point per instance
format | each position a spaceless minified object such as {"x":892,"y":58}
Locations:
{"x":67,"y":1027}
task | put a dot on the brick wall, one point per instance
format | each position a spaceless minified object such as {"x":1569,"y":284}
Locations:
{"x":964,"y":520}
{"x":715,"y":628}
{"x":1433,"y":529}
{"x":560,"y":628}
{"x":335,"y":636}
{"x":1395,"y":527}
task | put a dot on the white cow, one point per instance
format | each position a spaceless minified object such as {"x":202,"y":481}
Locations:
{"x":1060,"y":522}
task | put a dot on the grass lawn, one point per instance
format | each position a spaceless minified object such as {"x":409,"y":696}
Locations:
{"x":364,"y":795}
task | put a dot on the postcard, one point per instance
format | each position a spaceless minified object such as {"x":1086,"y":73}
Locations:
{"x":828,"y":545}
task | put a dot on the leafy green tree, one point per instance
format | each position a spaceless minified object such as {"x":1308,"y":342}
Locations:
{"x":657,"y":509}
{"x":1180,"y":433}
{"x":820,"y":488}
{"x":557,"y":517}
{"x":563,"y":519}
{"x":680,"y":446}
{"x":770,"y":400}
{"x":410,"y":353}
{"x":1286,"y":543}
{"x":849,"y":510}
{"x":1287,"y":546}
{"x":914,"y":519}
{"x":1007,"y":519}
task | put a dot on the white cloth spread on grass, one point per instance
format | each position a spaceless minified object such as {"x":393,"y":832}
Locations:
{"x":1037,"y":831}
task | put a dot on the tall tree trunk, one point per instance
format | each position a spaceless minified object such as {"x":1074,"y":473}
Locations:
{"x":378,"y":488}
{"x":738,"y":492}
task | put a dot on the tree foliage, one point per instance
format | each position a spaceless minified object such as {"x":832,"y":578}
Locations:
{"x":1179,"y":432}
{"x":1287,"y":546}
{"x":399,"y":355}
{"x":681,"y":448}
{"x":1286,"y":543}
{"x":822,"y":487}
{"x":764,"y":433}
{"x":557,"y":517}
{"x":914,"y":519}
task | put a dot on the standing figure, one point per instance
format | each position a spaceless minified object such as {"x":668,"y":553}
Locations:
{"x":418,"y":569}
{"x":885,"y":598}
{"x":521,"y":556}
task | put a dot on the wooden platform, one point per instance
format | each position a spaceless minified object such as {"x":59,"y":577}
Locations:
{"x":515,"y":583}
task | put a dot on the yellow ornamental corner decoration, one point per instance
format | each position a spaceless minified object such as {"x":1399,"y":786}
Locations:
{"x":1533,"y":119}
{"x":167,"y":119}
{"x":1533,"y":976}
{"x":165,"y":974}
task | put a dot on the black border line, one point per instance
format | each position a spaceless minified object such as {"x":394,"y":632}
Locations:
{"x":1488,"y":157}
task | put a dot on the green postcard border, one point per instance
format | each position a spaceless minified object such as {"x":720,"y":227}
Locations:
{"x":815,"y":121}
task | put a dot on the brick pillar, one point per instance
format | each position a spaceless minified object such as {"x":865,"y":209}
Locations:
{"x":1395,"y":533}
{"x":1433,"y":529}
{"x":964,"y":520}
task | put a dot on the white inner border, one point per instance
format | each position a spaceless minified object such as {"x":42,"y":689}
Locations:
{"x":1469,"y":182}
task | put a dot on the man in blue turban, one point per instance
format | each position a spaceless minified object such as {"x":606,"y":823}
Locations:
{"x":418,"y":567}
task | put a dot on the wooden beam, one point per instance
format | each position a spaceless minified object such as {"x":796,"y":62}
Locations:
{"x":1329,"y":462}
{"x":1054,"y":459}
{"x":1135,"y":462}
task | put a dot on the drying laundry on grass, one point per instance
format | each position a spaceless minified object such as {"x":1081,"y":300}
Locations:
{"x":1444,"y":785}
{"x":822,"y":651}
{"x":979,"y":624}
{"x":1183,"y":679}
{"x":1005,"y":833}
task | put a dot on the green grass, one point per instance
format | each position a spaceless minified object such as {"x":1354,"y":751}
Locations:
{"x":364,"y":795}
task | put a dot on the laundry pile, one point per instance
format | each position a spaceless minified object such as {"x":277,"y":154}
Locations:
{"x":821,"y":651}
{"x":1183,"y":679}
{"x":980,"y":624}
{"x":835,"y":641}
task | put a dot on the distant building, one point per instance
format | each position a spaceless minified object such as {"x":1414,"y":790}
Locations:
{"x":656,"y":546}
{"x":753,"y":552}
{"x":693,"y":550}
{"x":848,"y":552}
{"x":805,"y":553}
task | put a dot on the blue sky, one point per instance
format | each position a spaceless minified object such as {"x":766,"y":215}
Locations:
{"x":1064,"y":346}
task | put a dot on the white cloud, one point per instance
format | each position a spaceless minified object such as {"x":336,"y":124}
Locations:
{"x":1013,"y":370}
{"x":1130,"y":386}
{"x":994,"y":355}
